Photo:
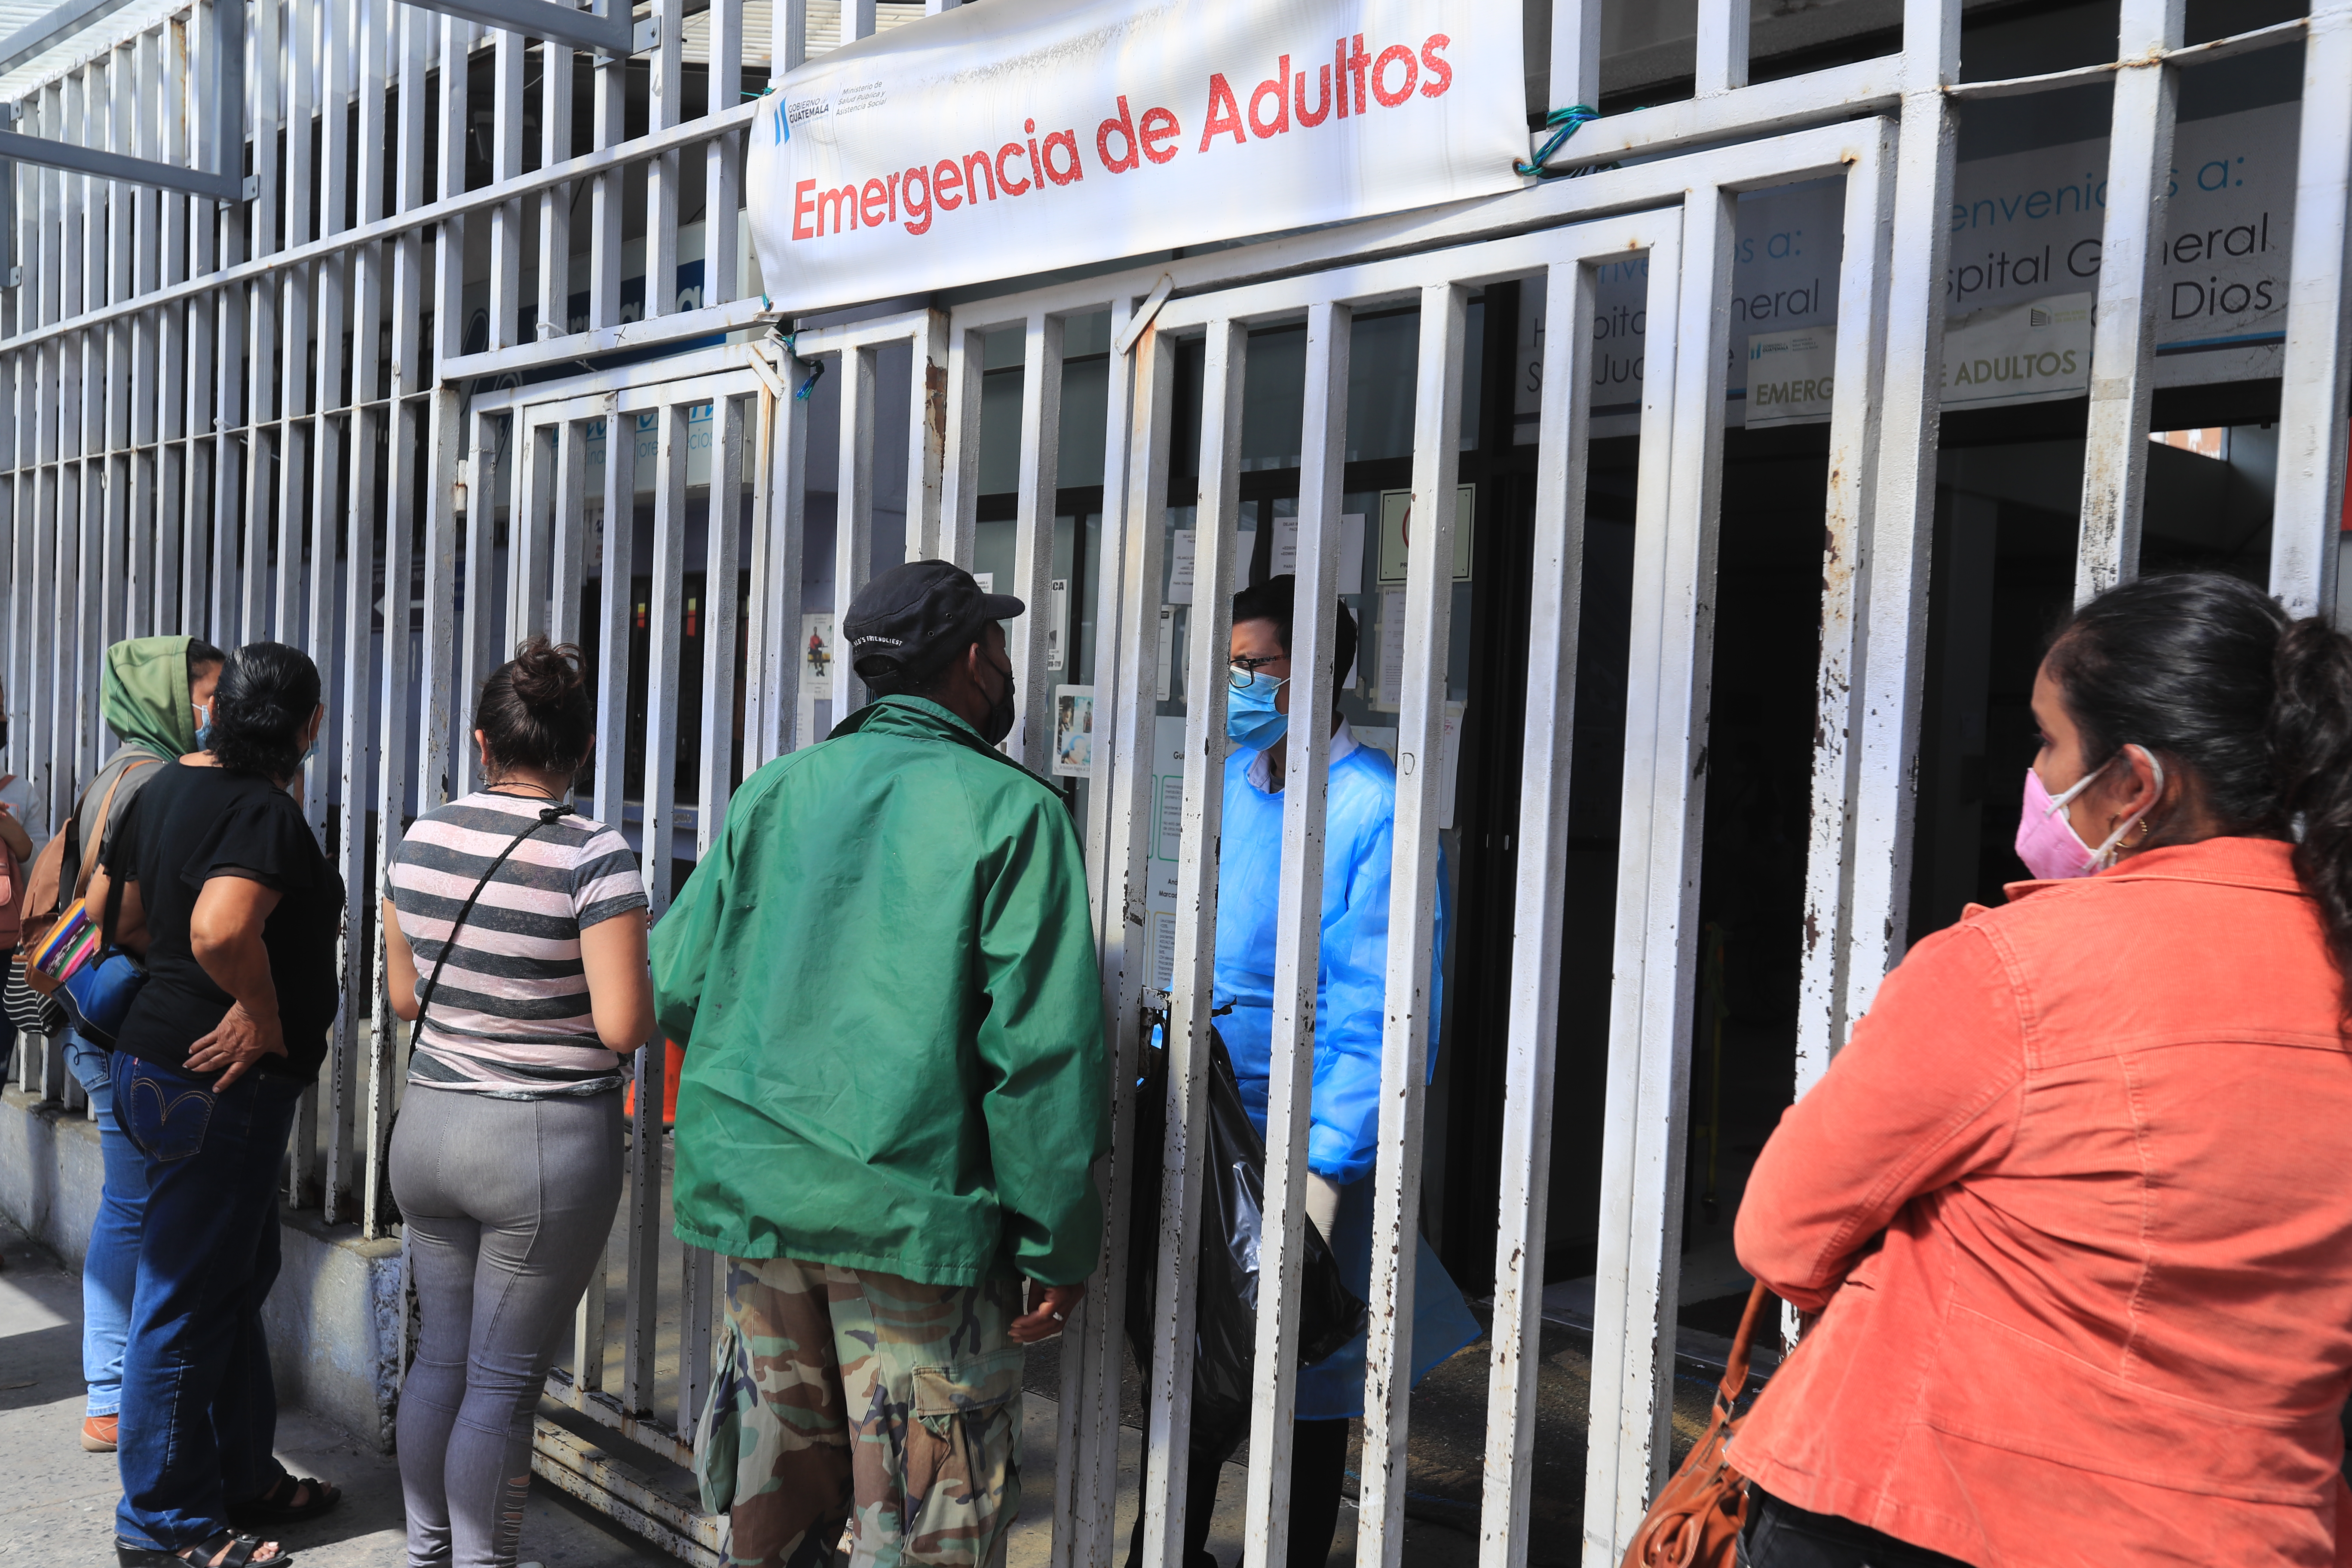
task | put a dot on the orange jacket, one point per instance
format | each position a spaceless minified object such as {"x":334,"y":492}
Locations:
{"x":2076,"y":1206}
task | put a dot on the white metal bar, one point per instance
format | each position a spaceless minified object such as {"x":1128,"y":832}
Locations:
{"x":786,"y":529}
{"x":605,"y":194}
{"x":265,"y":446}
{"x":234,"y":506}
{"x":2123,"y":332}
{"x":1031,"y":742}
{"x":352,"y":1095}
{"x":673,"y":328}
{"x":789,"y":22}
{"x":658,"y":793}
{"x":616,"y":569}
{"x":295,"y":438}
{"x":665,"y":109}
{"x":1863,"y":273}
{"x":1298,"y":931}
{"x":2307,"y":513}
{"x":156,"y":559}
{"x":1575,"y":53}
{"x":530,"y":524}
{"x":588,"y":1334}
{"x":407,"y":421}
{"x":1168,"y":1391}
{"x":506,"y":162}
{"x":720,"y":627}
{"x":126,"y":547}
{"x":439,"y":672}
{"x":1657,"y":887}
{"x":612,"y":676}
{"x":853,"y":519}
{"x":928,"y":379}
{"x":555,"y":66}
{"x":722,"y":178}
{"x":960,"y":482}
{"x":441,"y":655}
{"x":1722,"y":42}
{"x":485,"y":633}
{"x":1556,"y":598}
{"x":1086,"y":1468}
{"x":1903,"y":516}
{"x":1412,"y":910}
{"x":192,"y":236}
{"x":765,"y":642}
{"x":666,"y":573}
{"x":571,"y":542}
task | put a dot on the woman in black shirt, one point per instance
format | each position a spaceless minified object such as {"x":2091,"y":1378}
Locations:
{"x":240,"y":914}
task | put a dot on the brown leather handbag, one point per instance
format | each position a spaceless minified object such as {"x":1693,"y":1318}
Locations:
{"x":1696,"y":1521}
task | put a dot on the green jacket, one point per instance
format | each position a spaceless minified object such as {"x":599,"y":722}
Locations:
{"x":883,"y":977}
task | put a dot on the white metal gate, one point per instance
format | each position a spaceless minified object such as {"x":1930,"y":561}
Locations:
{"x":160,"y":476}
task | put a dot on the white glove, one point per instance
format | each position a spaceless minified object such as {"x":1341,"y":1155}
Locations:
{"x":1323,"y":1205}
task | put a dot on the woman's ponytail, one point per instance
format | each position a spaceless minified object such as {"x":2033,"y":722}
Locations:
{"x":2310,"y":733}
{"x":2207,"y":672}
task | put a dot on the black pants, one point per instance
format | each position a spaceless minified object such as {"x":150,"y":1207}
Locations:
{"x":1780,"y":1535}
{"x":1318,"y":1468}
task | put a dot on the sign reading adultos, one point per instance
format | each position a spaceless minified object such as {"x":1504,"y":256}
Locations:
{"x":1022,"y":135}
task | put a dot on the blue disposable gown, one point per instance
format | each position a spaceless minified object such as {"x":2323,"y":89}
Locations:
{"x":1350,"y":1013}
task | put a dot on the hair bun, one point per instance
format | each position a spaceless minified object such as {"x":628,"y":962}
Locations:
{"x":546,"y":674}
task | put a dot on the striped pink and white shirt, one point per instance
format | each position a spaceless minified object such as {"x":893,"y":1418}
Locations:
{"x":511,"y":1017}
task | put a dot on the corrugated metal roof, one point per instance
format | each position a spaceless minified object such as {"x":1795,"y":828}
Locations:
{"x":15,"y":15}
{"x":823,"y":32}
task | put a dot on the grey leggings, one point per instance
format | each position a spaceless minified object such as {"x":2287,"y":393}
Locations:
{"x":506,"y":1205}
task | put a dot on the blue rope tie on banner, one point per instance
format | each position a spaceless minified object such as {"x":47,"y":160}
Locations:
{"x":1562,"y":124}
{"x":815,"y":367}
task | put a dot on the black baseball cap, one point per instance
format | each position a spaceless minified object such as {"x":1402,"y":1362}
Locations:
{"x":919,"y":614}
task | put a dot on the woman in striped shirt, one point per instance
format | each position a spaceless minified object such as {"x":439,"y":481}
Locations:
{"x":517,"y":929}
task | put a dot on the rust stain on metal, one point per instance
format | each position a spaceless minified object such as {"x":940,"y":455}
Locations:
{"x":935,"y":397}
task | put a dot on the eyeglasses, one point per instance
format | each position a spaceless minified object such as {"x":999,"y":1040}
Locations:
{"x":1241,"y":667}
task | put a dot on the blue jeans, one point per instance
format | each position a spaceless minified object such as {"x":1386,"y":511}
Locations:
{"x":112,"y":1269}
{"x":199,"y":1410}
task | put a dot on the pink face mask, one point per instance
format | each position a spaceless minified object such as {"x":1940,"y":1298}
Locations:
{"x":2048,"y":843}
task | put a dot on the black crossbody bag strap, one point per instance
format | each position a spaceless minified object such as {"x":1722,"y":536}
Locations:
{"x":547,"y":816}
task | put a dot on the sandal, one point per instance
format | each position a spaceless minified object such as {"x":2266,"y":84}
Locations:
{"x":224,"y":1550}
{"x":278,"y":1505}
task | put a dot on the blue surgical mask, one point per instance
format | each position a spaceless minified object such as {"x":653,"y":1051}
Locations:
{"x":205,"y":728}
{"x":1250,"y":716}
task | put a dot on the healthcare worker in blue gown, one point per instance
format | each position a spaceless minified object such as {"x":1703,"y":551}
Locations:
{"x":1358,"y":848}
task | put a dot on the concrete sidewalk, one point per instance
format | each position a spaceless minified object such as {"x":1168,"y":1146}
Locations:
{"x":56,"y":1503}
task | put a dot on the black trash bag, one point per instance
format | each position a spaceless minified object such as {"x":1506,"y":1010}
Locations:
{"x":1232,"y":1220}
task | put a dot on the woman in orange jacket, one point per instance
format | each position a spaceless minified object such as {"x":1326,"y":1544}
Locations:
{"x":2071,"y":1206}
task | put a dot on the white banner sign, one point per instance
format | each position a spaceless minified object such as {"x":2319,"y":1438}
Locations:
{"x":1023,"y":135}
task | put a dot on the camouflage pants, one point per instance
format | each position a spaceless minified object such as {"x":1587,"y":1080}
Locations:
{"x":843,"y":1394}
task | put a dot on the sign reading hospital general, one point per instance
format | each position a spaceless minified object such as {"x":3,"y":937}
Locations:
{"x":1025,"y":135}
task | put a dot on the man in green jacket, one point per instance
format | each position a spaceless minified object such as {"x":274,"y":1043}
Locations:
{"x":883,"y":977}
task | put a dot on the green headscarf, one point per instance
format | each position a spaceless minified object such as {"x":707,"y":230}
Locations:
{"x":144,"y":695}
